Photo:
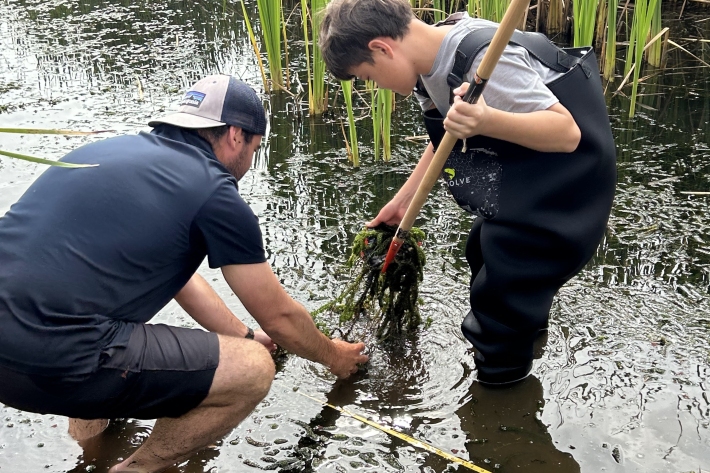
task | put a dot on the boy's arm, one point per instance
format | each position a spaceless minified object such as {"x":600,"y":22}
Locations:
{"x":393,"y":212}
{"x":550,"y":130}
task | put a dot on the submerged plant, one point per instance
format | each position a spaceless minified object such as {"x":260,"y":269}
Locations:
{"x":390,"y":300}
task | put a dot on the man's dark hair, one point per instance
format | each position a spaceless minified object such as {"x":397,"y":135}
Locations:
{"x":348,"y":26}
{"x":214,"y":134}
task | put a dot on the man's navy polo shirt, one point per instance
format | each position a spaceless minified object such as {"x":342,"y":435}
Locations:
{"x":86,"y":253}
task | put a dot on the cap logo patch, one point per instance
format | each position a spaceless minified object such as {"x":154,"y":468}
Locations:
{"x":193,"y":99}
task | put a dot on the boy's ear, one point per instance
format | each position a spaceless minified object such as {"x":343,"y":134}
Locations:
{"x":381,"y":45}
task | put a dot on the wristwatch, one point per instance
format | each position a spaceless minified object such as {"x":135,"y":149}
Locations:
{"x":250,"y":334}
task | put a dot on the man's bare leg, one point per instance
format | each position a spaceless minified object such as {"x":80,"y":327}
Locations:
{"x":81,"y":429}
{"x":241,"y":381}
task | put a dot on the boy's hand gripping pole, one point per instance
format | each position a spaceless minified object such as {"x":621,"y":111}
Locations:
{"x":512,"y":17}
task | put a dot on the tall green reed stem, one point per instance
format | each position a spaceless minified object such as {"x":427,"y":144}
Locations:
{"x":640,"y":29}
{"x":653,"y":53}
{"x":354,"y":153}
{"x":44,"y":131}
{"x":317,"y":87}
{"x":270,"y":17}
{"x":254,"y":45}
{"x":382,"y":102}
{"x":610,"y":44}
{"x":488,"y":9}
{"x":439,"y":7}
{"x":376,"y":118}
{"x":585,"y":15}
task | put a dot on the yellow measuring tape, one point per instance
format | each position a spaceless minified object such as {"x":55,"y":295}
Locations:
{"x":399,"y":435}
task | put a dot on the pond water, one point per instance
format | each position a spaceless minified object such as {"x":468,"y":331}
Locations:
{"x":621,"y":385}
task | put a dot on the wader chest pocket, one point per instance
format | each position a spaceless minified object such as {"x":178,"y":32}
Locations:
{"x":473,"y":177}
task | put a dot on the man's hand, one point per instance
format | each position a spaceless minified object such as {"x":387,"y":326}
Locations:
{"x":348,"y":356}
{"x":287,"y":322}
{"x":261,"y":337}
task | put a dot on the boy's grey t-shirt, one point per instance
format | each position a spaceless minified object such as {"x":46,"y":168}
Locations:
{"x":516,"y":85}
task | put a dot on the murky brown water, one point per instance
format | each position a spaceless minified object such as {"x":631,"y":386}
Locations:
{"x":621,"y":385}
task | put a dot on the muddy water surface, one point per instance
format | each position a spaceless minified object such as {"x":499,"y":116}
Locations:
{"x":621,"y":385}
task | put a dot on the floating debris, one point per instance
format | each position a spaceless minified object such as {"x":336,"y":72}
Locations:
{"x":257,"y":443}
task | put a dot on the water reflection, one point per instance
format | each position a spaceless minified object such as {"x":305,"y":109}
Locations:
{"x":505,"y":430}
{"x":120,"y":439}
{"x":498,"y":429}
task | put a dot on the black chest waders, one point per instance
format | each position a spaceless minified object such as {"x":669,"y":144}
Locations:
{"x":541,"y":215}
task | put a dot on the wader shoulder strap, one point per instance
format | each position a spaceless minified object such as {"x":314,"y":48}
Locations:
{"x":536,"y":44}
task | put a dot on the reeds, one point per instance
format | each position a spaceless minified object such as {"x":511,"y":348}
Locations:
{"x":609,"y":45}
{"x":653,"y":53}
{"x":556,"y":18}
{"x":42,"y":131}
{"x":317,"y":86}
{"x":352,"y":148}
{"x":381,"y":105}
{"x":640,"y":30}
{"x":252,"y":39}
{"x":270,"y":16}
{"x":585,"y":15}
{"x":488,"y":9}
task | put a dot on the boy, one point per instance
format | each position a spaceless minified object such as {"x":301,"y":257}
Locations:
{"x":539,"y":175}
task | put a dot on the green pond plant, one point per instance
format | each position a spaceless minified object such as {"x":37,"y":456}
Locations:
{"x":488,"y":9}
{"x":384,"y":304}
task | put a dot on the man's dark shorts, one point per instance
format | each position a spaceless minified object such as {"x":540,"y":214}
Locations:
{"x":164,"y":371}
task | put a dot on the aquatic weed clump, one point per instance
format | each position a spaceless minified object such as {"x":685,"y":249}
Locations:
{"x":389,"y":301}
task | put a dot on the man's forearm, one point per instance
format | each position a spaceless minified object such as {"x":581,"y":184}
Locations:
{"x":295,"y":331}
{"x":204,"y":305}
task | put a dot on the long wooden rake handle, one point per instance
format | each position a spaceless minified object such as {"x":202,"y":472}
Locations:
{"x":502,"y":35}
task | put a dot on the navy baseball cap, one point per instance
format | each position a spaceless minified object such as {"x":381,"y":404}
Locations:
{"x":219,"y":100}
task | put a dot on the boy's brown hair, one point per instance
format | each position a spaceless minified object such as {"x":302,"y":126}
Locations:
{"x":348,"y":26}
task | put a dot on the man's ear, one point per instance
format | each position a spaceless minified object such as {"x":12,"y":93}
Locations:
{"x":382,"y":45}
{"x":235,"y":136}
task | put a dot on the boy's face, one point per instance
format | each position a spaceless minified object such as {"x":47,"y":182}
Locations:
{"x":388,"y":73}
